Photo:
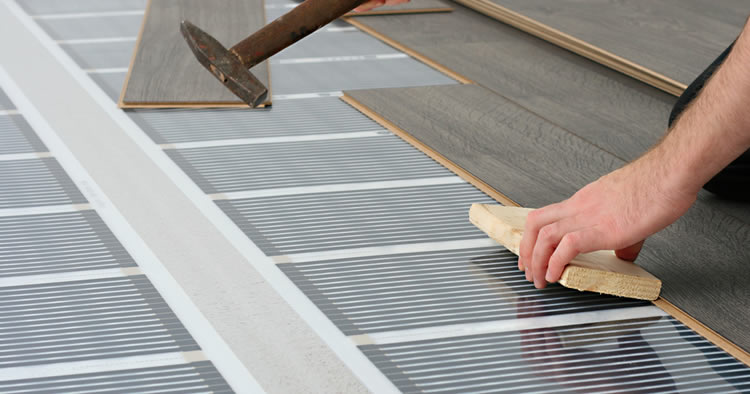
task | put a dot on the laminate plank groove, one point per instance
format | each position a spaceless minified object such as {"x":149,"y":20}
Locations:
{"x":701,"y":259}
{"x":165,"y":73}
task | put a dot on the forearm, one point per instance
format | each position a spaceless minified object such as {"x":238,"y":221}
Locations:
{"x":623,"y":208}
{"x":713,"y":130}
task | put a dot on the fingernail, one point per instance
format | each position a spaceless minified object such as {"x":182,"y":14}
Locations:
{"x":549,"y":278}
{"x":539,"y":284}
{"x":528,"y":276}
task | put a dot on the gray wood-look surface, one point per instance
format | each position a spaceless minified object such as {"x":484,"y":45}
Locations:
{"x":165,"y":71}
{"x":675,"y":38}
{"x":702,"y":259}
{"x":528,"y":158}
{"x":413,"y":6}
{"x":623,"y":116}
{"x":613,"y":111}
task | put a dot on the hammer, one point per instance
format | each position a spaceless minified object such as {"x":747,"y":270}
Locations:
{"x":231,"y":66}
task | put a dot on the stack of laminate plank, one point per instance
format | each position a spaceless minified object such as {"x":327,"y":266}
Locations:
{"x":665,"y":44}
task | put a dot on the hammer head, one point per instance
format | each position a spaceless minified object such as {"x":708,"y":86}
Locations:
{"x":224,"y":65}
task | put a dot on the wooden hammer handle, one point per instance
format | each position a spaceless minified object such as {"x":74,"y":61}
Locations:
{"x":291,"y":27}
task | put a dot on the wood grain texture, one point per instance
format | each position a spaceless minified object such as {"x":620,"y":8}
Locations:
{"x":611,"y":110}
{"x":409,"y":51}
{"x":664,"y":43}
{"x":600,"y":271}
{"x":529,"y":159}
{"x":701,"y":259}
{"x":164,"y":72}
{"x":412,"y":7}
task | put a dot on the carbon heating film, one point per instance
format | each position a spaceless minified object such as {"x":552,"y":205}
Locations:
{"x":5,"y":103}
{"x":640,"y":355}
{"x":226,"y":169}
{"x":318,"y":222}
{"x":195,"y":377}
{"x":36,"y":183}
{"x":414,"y":290}
{"x":16,"y":136}
{"x":287,"y":118}
{"x":85,"y":320}
{"x":66,"y":300}
{"x":58,"y":242}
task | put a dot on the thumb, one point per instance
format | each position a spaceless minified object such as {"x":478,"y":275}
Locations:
{"x":631,"y":252}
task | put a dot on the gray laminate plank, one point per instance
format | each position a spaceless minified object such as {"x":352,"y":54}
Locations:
{"x":495,"y":139}
{"x":675,"y":38}
{"x":738,"y":209}
{"x":617,"y":113}
{"x":733,"y":12}
{"x":165,"y":71}
{"x":413,"y":6}
{"x":701,"y":259}
{"x":611,"y":110}
{"x":275,"y":9}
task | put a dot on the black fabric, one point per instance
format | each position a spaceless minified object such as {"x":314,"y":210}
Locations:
{"x":733,"y":182}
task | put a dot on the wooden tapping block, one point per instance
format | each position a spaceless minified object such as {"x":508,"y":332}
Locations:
{"x":600,"y":271}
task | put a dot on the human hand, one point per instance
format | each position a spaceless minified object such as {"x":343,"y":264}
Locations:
{"x":377,"y":3}
{"x":618,"y":211}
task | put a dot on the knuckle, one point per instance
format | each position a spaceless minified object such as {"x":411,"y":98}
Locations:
{"x":547,"y":232}
{"x":572,"y":241}
{"x":533,"y":217}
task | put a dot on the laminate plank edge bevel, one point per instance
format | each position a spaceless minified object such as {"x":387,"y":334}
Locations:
{"x":175,"y":78}
{"x":409,"y":51}
{"x":684,"y":317}
{"x":576,"y":45}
